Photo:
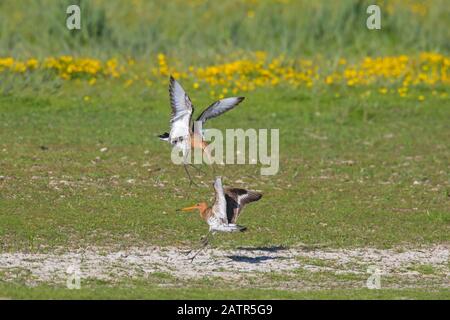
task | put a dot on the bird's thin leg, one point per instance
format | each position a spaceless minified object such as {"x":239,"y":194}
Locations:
{"x":205,"y":242}
{"x":197,"y":168}
{"x":202,"y":242}
{"x":191,"y":182}
{"x":213,"y":168}
{"x":186,"y":154}
{"x":210,"y":162}
{"x":199,"y":250}
{"x":205,"y":239}
{"x":202,"y":246}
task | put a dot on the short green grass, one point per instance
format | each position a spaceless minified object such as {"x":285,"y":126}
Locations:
{"x":354,"y":172}
{"x":100,"y":291}
{"x":425,"y":269}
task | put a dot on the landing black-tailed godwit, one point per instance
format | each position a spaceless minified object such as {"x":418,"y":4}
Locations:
{"x":227,"y":207}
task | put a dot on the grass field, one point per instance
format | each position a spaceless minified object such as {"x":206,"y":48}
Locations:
{"x":364,"y":160}
{"x":370,"y":170}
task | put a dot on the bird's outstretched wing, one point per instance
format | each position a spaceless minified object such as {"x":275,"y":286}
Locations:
{"x":236,"y":200}
{"x":182,"y":110}
{"x":220,"y":204}
{"x":219,"y":107}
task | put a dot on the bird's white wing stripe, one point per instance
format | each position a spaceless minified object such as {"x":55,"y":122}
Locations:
{"x":178,"y":98}
{"x":219,"y":107}
{"x":220,"y":205}
{"x":180,"y":115}
{"x":181,"y":111}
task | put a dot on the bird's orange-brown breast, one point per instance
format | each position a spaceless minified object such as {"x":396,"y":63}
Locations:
{"x":198,"y":142}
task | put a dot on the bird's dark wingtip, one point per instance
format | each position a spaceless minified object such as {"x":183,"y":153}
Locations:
{"x":172,"y":85}
{"x":164,"y":136}
{"x":241,"y":99}
{"x":255,"y":196}
{"x":171,"y":82}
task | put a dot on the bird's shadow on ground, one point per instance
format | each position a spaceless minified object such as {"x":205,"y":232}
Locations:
{"x":257,"y":259}
{"x":253,"y":259}
{"x":271,"y":249}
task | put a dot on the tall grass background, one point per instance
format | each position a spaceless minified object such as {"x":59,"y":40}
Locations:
{"x":200,"y":30}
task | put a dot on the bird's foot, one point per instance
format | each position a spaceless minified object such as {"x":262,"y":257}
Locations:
{"x":191,"y":182}
{"x":195,"y":255}
{"x":204,"y":241}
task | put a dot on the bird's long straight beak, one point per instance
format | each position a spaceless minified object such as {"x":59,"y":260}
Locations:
{"x":189,"y":208}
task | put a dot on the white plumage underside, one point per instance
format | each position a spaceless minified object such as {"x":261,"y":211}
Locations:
{"x":179,"y":135}
{"x":224,"y":227}
{"x":179,"y":127}
{"x":219,"y":208}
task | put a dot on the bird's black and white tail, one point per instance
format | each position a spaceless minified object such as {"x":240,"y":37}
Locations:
{"x":164,"y":136}
{"x":230,"y":228}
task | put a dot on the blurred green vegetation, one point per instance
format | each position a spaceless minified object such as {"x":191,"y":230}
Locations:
{"x":199,"y":30}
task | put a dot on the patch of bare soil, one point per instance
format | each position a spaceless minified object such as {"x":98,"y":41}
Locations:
{"x":99,"y":263}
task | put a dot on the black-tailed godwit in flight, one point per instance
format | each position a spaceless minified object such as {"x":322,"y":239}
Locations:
{"x":183,"y":134}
